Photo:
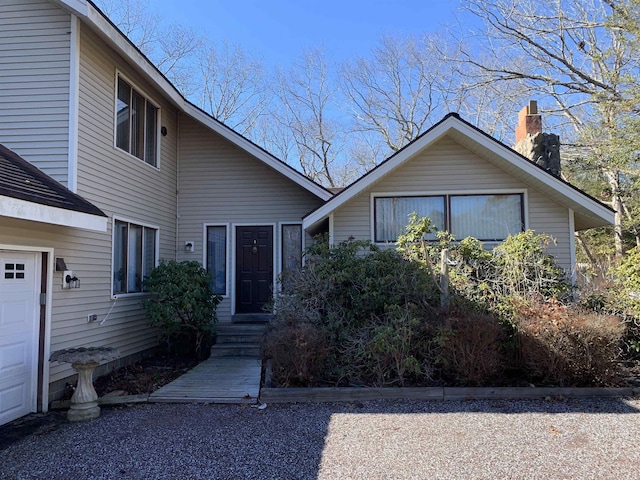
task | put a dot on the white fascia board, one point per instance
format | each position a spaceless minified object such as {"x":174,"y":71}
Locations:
{"x":124,"y":47}
{"x":77,"y":7}
{"x":377,"y":173}
{"x":36,"y":212}
{"x":253,"y":149}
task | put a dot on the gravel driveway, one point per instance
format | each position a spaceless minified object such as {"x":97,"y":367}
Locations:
{"x":555,"y":439}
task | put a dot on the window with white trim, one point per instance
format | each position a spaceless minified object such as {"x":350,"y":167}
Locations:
{"x":136,"y":123}
{"x":134,"y":255}
{"x":487,"y":217}
{"x":291,"y":235}
{"x":291,"y":246}
{"x":217,"y":258}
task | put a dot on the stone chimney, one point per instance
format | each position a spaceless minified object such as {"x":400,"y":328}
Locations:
{"x":543,"y":149}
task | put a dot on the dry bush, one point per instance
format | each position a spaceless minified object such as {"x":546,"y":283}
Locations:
{"x":298,"y":352}
{"x":565,"y":345}
{"x":471,"y":349}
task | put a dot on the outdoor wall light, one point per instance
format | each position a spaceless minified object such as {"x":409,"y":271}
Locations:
{"x":70,"y":280}
{"x":163,"y":131}
{"x":189,"y":246}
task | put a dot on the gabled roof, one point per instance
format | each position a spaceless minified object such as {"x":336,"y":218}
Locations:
{"x":28,"y":193}
{"x":589,"y":212}
{"x":92,"y":16}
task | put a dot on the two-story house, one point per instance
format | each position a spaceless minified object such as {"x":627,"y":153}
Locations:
{"x":129,"y":172}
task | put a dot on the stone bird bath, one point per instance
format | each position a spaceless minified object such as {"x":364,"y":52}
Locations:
{"x":84,"y":402}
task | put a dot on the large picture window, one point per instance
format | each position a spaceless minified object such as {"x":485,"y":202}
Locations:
{"x":217,"y":258}
{"x":392,"y":214}
{"x":136,"y":124}
{"x":485,"y":217}
{"x":134,"y":256}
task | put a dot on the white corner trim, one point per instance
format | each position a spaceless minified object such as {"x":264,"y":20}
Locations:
{"x":331,"y":230}
{"x":74,"y":92}
{"x":36,"y":212}
{"x":572,"y":246}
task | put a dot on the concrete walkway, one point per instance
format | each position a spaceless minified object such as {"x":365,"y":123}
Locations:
{"x":216,"y":380}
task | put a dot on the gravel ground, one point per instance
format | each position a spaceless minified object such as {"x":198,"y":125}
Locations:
{"x":551,"y":439}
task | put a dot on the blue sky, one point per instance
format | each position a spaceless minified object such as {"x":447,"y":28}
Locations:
{"x":279,"y":30}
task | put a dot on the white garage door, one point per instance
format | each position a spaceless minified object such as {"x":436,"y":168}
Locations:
{"x":19,"y":314}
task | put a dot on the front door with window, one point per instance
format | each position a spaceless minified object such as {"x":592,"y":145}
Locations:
{"x":254,"y":268}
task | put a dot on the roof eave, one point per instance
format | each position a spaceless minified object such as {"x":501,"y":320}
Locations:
{"x":36,"y":212}
{"x":432,"y":135}
{"x":582,"y":204}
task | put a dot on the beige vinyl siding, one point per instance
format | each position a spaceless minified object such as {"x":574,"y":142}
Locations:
{"x":448,"y":167}
{"x":121,"y":186}
{"x":34,"y":83}
{"x":125,"y":328}
{"x":221,"y":184}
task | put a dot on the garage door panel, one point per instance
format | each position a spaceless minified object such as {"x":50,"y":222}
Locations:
{"x":14,"y":402}
{"x":15,"y":312}
{"x":19,"y":323}
{"x":14,"y":356}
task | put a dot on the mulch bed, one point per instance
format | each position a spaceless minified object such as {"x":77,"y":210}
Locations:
{"x":145,"y":376}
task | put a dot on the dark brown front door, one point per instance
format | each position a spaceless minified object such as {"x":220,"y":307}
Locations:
{"x":254,"y":268}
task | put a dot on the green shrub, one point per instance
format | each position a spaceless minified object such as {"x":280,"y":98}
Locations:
{"x":367,"y":303}
{"x":386,"y":351}
{"x":180,"y":303}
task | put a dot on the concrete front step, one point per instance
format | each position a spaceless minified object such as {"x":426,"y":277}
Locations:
{"x":239,"y":340}
{"x":231,"y":338}
{"x":240,"y":333}
{"x":236,"y":350}
{"x":255,"y":318}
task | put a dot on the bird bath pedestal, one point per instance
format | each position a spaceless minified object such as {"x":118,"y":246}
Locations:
{"x":84,"y":402}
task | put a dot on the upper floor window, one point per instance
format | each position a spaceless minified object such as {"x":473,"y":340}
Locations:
{"x":136,"y":124}
{"x":134,"y":255}
{"x":485,"y":217}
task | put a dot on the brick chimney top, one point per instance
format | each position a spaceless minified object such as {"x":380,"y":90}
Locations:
{"x":529,"y":121}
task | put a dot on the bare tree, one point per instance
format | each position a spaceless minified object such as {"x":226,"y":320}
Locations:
{"x":394,"y":93}
{"x":232,"y":85}
{"x":580,"y":54}
{"x":169,"y":47}
{"x":135,"y":19}
{"x":309,"y":111}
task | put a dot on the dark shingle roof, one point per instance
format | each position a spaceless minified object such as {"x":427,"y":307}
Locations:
{"x":19,"y":179}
